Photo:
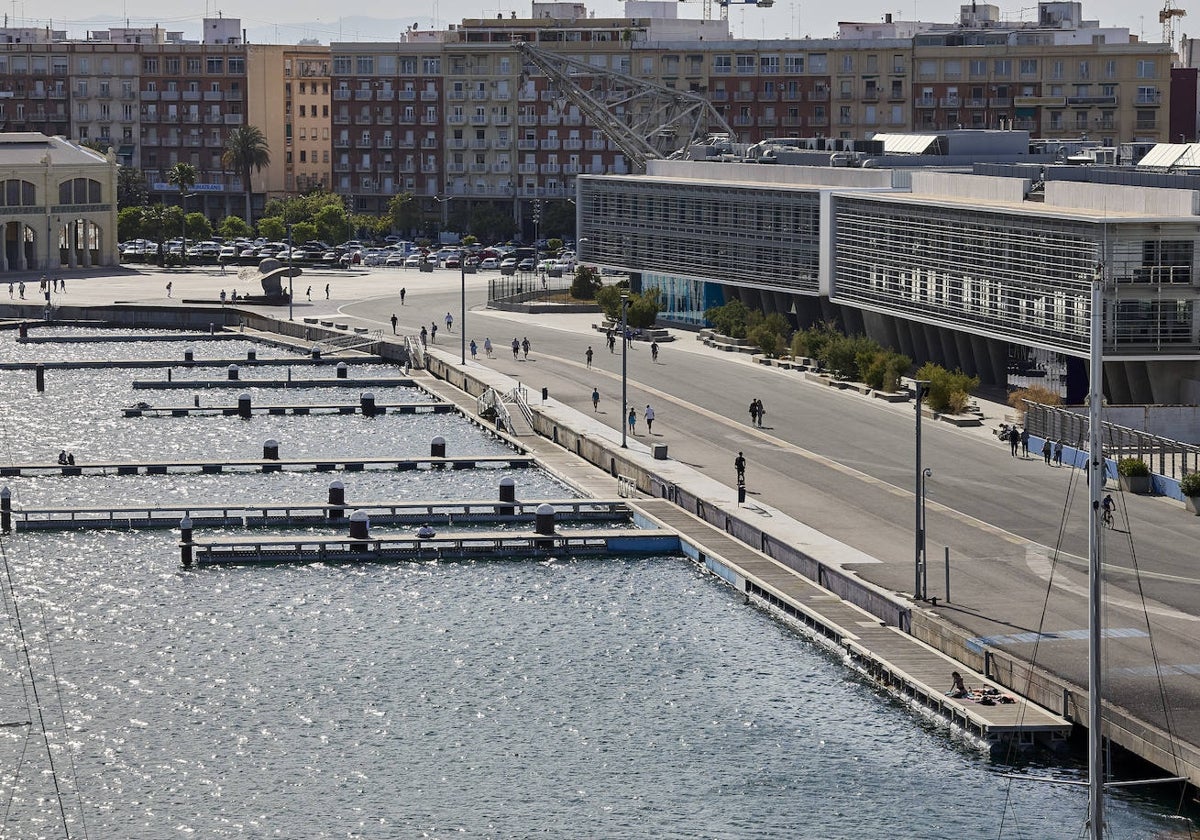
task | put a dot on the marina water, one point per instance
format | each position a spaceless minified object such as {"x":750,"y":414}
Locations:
{"x":620,"y":697}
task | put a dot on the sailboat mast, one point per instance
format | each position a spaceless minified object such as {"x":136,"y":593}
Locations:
{"x":1096,"y":474}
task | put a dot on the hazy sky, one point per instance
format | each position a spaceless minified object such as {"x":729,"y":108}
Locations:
{"x":287,"y":21}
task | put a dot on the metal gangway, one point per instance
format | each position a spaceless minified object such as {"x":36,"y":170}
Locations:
{"x":352,"y":341}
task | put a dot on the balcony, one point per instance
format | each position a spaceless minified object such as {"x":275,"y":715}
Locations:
{"x":362,"y":95}
{"x":479,"y":144}
{"x":1146,"y":125}
{"x":502,"y":120}
{"x":572,"y":144}
{"x":551,"y":120}
{"x":818,"y":96}
{"x":818,"y":122}
{"x":210,"y":119}
{"x":149,"y":95}
{"x":792,"y":122}
{"x":527,"y":169}
{"x":214,"y":143}
{"x":1039,"y":101}
{"x":501,"y":168}
{"x":193,"y":141}
{"x":341,"y":95}
{"x":456,"y":96}
{"x":595,"y":145}
{"x":479,"y":95}
{"x":743,"y":121}
{"x":479,"y":168}
{"x":1106,"y":123}
{"x":549,"y":145}
{"x":429,"y":96}
{"x":385,"y":143}
{"x":362,"y":167}
{"x":341,"y":167}
{"x":169,"y":95}
{"x":1091,"y":101}
{"x":233,"y":96}
{"x":36,"y":94}
{"x":406,"y":95}
{"x":571,"y":168}
{"x":429,"y":167}
{"x":213,"y":96}
{"x":743,"y":96}
{"x":1000,"y":102}
{"x":549,"y":169}
{"x":341,"y":119}
{"x":456,"y":143}
{"x":190,"y":95}
{"x":768,"y":121}
{"x":527,"y":120}
{"x":362,"y":119}
{"x":457,"y":119}
{"x":456,"y":168}
{"x":429,"y":143}
{"x":234,"y":119}
{"x":191,"y":117}
{"x":1025,"y":124}
{"x":363,"y":143}
{"x":479,"y":119}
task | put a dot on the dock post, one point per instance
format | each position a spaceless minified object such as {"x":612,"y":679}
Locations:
{"x":337,"y":501}
{"x":316,"y":351}
{"x":508,"y":493}
{"x":360,"y":528}
{"x":233,"y":373}
{"x":947,"y":574}
{"x":196,"y":400}
{"x":342,"y":370}
{"x":5,"y":510}
{"x":367,"y":401}
{"x":437,"y":447}
{"x":271,"y":450}
{"x":185,"y":541}
{"x":244,"y":406}
{"x":212,"y":328}
{"x":168,"y":374}
{"x":251,"y":355}
{"x":39,"y":378}
{"x":189,"y":355}
{"x":543,"y":525}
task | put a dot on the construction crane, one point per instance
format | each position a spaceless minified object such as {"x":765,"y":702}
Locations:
{"x":646,"y":120}
{"x":725,"y":4}
{"x":1167,"y":18}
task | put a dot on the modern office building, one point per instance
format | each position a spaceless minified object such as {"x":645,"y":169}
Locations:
{"x":975,"y":271}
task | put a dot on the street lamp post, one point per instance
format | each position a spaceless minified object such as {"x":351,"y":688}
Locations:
{"x":462,"y":314}
{"x":926,"y":474}
{"x":624,"y":372}
{"x":183,"y":197}
{"x":290,"y":264}
{"x":919,"y":548}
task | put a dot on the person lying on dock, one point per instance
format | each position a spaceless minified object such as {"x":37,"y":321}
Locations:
{"x":426,"y":532}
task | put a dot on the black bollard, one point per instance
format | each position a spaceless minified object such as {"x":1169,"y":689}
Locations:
{"x":189,"y":355}
{"x":271,"y":450}
{"x":342,"y":370}
{"x":508,"y":493}
{"x":437,"y":447}
{"x":5,"y":510}
{"x":360,"y":526}
{"x":545,"y":394}
{"x":316,"y":351}
{"x":23,"y":331}
{"x":185,"y":541}
{"x":251,"y":355}
{"x":168,"y":374}
{"x":544,"y":519}
{"x":367,"y":401}
{"x":233,"y":372}
{"x":39,"y":378}
{"x":196,"y":400}
{"x":212,"y":328}
{"x":337,"y":500}
{"x":244,"y":406}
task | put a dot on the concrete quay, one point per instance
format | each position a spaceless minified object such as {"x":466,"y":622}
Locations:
{"x":835,"y":462}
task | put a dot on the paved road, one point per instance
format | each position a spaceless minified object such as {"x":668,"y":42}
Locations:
{"x":841,"y":463}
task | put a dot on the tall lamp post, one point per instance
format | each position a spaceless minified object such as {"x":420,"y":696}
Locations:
{"x":919,"y":548}
{"x":183,"y":197}
{"x":462,"y":314}
{"x":624,"y":373}
{"x":926,"y":474}
{"x":290,"y":269}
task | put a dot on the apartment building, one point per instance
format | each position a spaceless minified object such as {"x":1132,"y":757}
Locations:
{"x":289,"y":101}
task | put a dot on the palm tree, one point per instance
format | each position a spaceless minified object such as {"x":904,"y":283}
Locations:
{"x":246,"y":149}
{"x":183,"y":176}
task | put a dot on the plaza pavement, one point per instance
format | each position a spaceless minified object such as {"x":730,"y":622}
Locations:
{"x":833,"y":461}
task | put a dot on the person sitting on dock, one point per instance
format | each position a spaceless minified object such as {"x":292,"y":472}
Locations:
{"x":957,"y":689}
{"x":426,"y":532}
{"x":71,"y":459}
{"x":62,"y":457}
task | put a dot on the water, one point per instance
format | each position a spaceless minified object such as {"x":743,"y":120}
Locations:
{"x":586,"y":698}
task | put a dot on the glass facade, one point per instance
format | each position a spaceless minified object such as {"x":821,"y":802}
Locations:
{"x":683,"y":300}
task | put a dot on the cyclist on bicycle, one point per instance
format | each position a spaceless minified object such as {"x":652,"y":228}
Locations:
{"x":1107,"y":506}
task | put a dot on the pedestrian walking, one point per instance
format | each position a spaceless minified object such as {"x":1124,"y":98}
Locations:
{"x":222,"y":296}
{"x":761,"y":412}
{"x":653,"y":351}
{"x":1014,"y":440}
{"x":308,"y":293}
{"x":169,"y":288}
{"x":649,"y":415}
{"x":588,"y":354}
{"x":1047,"y":450}
{"x":449,"y":322}
{"x":754,"y":412}
{"x":595,"y":399}
{"x":474,"y":349}
{"x":21,"y":289}
{"x":221,"y":261}
{"x":326,"y":291}
{"x":612,"y":341}
{"x":395,"y":320}
{"x":62,"y":287}
{"x":525,"y":347}
{"x":739,"y":465}
{"x":424,"y":337}
{"x":516,"y":348}
{"x":1058,"y":448}
{"x":487,"y":348}
{"x":11,"y":289}
{"x":403,"y":292}
{"x":432,"y":332}
{"x":1025,"y":443}
{"x":632,"y":421}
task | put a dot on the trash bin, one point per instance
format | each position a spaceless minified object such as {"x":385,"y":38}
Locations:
{"x":659,"y":451}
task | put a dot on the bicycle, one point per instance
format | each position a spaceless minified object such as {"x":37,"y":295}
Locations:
{"x":1106,"y":517}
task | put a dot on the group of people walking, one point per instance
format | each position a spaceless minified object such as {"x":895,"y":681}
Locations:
{"x":1018,"y":441}
{"x":757,"y":412}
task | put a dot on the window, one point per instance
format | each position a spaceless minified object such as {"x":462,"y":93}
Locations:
{"x":172,"y":66}
{"x":365,"y":65}
{"x":1147,"y":95}
{"x":746,"y":63}
{"x":1110,"y":69}
{"x":1029,"y":67}
{"x":193,"y":66}
{"x":1146,"y":69}
{"x":977,"y":67}
{"x":341,"y":65}
{"x":818,"y":63}
{"x":237,"y":65}
{"x":952,"y":68}
{"x":793,"y":64}
{"x":214,"y":64}
{"x":1084,"y":70}
{"x":431,"y":65}
{"x":149,"y":64}
{"x":404,"y":66}
{"x":769,"y":64}
{"x":1056,"y":69}
{"x":722,"y":64}
{"x":848,"y":63}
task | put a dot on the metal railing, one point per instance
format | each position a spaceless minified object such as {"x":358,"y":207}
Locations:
{"x":416,"y":353}
{"x":528,"y":286}
{"x":517,"y":395}
{"x":1166,"y":457}
{"x":491,"y":403}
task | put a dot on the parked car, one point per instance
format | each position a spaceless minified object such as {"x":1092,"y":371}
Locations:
{"x":453,"y":262}
{"x":526,"y":264}
{"x":395,"y":260}
{"x":414,"y":260}
{"x":508,"y":262}
{"x":229,"y":253}
{"x":489,"y":263}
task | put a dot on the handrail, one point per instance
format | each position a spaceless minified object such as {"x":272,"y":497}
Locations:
{"x":490,"y":400}
{"x":518,"y":396}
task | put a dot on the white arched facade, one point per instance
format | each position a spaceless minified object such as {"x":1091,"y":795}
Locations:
{"x":58,"y":205}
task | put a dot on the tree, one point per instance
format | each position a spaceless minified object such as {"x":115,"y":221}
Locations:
{"x":558,"y":219}
{"x":770,"y":333}
{"x":154,"y":225}
{"x":586,"y":283}
{"x":132,"y":190}
{"x":234,"y":227}
{"x":246,"y":150}
{"x":183,"y":176}
{"x":272,"y":228}
{"x":404,"y":213}
{"x":198,"y":226}
{"x":129,"y":224}
{"x":730,"y":319}
{"x":331,"y":224}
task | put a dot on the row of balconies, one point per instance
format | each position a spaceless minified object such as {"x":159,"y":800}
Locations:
{"x":190,"y":95}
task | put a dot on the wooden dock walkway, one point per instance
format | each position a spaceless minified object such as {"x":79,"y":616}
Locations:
{"x":96,"y":364}
{"x":114,"y":338}
{"x":439,"y":513}
{"x":339,"y":382}
{"x":344,"y":464}
{"x":498,"y":545}
{"x":902,"y":664}
{"x":342,"y":408}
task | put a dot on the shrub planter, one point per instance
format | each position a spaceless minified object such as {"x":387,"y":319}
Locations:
{"x":1189,"y":486}
{"x":1192,"y":503}
{"x":892,"y":396}
{"x":1139,"y":484}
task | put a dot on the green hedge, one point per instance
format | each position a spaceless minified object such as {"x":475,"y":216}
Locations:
{"x":1189,"y":485}
{"x":1132,"y":468}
